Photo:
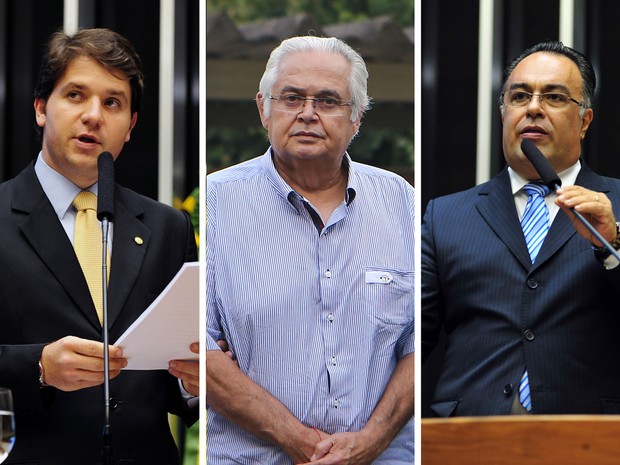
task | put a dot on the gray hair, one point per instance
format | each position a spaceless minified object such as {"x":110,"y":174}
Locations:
{"x":358,"y":79}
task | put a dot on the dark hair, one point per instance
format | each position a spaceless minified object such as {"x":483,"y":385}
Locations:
{"x":107,"y":47}
{"x":585,"y":67}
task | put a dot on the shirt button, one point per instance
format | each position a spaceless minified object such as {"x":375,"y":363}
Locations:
{"x":333,"y":360}
{"x":328,"y":274}
{"x":529,"y":335}
{"x":330,"y":317}
{"x":335,"y":403}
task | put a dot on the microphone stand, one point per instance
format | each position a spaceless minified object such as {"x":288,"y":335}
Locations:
{"x":108,"y":458}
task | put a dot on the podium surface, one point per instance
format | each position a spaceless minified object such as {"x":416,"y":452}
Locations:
{"x":522,"y":440}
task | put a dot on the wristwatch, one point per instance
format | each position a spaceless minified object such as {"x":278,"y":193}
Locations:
{"x":42,"y":382}
{"x":601,"y":253}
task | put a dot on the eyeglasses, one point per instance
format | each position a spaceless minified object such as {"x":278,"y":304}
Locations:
{"x":520,"y":98}
{"x":322,"y":105}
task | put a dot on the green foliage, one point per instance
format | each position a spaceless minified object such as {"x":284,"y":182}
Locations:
{"x":325,"y":11}
{"x":227,"y":146}
{"x":382,"y":147}
{"x":190,"y":455}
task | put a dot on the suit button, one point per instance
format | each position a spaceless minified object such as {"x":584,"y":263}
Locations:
{"x":529,"y":335}
{"x":508,"y":389}
{"x":113,"y":403}
{"x":532,"y":284}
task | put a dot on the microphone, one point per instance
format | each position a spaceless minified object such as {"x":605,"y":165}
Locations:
{"x":551,"y":179}
{"x":105,"y":214}
{"x":105,"y":199}
{"x":541,"y":165}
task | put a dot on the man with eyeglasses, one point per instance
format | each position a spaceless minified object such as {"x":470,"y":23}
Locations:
{"x":310,"y":280}
{"x":526,"y":295}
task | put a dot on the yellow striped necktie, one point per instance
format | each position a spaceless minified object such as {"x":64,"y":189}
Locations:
{"x":87,"y":243}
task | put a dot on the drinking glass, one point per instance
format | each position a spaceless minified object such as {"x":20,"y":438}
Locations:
{"x":7,"y":423}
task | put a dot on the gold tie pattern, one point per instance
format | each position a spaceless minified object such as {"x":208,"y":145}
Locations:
{"x":87,"y":244}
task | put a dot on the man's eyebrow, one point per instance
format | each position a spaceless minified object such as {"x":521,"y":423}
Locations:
{"x":117,"y":92}
{"x":546,"y":88}
{"x":79,"y":86}
{"x":320,"y":93}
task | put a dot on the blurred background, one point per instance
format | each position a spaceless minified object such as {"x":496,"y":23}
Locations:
{"x":240,"y":36}
{"x":465,"y":48}
{"x":161,"y":160}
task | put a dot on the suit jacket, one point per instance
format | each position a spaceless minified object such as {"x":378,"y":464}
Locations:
{"x":559,"y":317}
{"x":44,"y":297}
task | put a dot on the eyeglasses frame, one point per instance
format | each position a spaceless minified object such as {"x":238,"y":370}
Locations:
{"x":340,"y":103}
{"x":539,"y":95}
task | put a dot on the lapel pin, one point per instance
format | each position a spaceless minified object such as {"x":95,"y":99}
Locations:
{"x":138,"y":240}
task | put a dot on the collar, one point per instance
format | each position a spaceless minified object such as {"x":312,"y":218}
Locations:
{"x":568,"y":177}
{"x":287,"y":192}
{"x":58,"y":189}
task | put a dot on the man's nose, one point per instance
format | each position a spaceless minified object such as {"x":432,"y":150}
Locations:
{"x":92,"y":113}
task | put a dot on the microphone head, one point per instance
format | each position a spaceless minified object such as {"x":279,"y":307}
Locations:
{"x":541,"y":164}
{"x":105,"y":197}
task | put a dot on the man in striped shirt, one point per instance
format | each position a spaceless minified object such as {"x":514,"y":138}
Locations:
{"x":310,"y":280}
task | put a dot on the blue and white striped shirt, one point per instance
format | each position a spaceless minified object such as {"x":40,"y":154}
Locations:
{"x":317,"y":318}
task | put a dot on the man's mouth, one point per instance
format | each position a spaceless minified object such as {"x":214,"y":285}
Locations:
{"x":306,"y":134}
{"x":533,"y":130}
{"x":87,"y":139}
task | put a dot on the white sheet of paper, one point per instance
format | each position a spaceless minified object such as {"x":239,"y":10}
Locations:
{"x":165,"y":330}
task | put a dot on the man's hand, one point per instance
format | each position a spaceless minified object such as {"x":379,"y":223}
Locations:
{"x":392,"y":412}
{"x":188,"y":371}
{"x":302,"y":447}
{"x":594,"y":206}
{"x":345,"y":449}
{"x":224,"y":346}
{"x":72,"y":363}
{"x":232,"y":394}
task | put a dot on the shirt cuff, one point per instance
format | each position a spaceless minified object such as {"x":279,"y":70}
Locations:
{"x":190,"y":399}
{"x":610,"y":262}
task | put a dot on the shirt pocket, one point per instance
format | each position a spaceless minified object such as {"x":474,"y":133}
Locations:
{"x":389,"y":294}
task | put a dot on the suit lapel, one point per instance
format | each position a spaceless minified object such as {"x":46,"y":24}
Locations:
{"x":496,"y":205}
{"x":560,"y":232}
{"x":47,"y":237}
{"x":130,"y":243}
{"x":43,"y":231}
{"x":562,"y":229}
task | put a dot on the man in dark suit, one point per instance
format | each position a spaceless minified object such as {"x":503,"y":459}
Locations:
{"x":86,"y":102}
{"x":516,"y":321}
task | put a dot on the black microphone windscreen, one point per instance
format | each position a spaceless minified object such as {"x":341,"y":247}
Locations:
{"x":548,"y":175}
{"x":105,"y":197}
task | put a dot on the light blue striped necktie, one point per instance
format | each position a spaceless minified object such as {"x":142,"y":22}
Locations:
{"x":535,"y":221}
{"x":535,"y":224}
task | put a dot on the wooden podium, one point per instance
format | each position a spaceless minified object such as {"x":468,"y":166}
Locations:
{"x":522,"y":440}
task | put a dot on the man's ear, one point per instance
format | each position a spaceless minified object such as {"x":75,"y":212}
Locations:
{"x":39,"y":111}
{"x":134,"y":119}
{"x":585,"y":122}
{"x":260,"y":102}
{"x":356,"y":126}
